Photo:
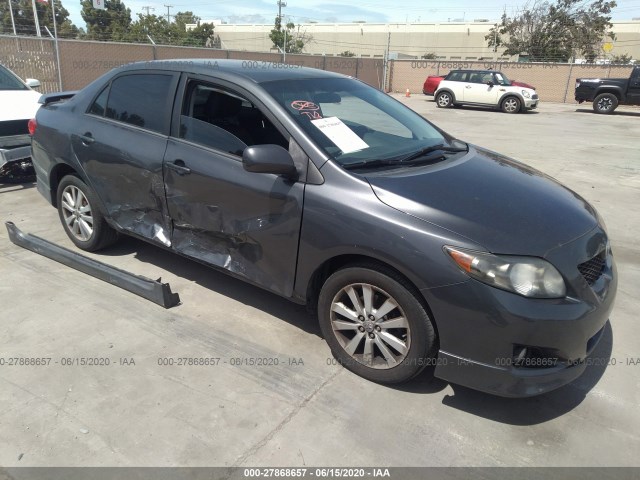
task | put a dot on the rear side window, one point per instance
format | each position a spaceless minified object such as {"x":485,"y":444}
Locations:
{"x":457,"y":77}
{"x":141,"y":100}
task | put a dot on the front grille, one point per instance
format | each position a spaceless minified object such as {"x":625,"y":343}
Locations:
{"x":534,"y":96}
{"x":592,"y":269}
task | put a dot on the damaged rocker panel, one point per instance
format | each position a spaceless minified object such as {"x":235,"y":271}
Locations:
{"x":154,"y":290}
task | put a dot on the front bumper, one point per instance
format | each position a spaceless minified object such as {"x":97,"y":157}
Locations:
{"x":481,"y":328}
{"x":531,"y":104}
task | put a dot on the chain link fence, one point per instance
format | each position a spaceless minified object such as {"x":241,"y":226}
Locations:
{"x":81,"y":62}
{"x":31,"y":58}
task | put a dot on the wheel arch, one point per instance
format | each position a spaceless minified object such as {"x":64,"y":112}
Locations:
{"x":614,"y":91}
{"x":335,"y":263}
{"x":511,"y":94}
{"x":58,"y":172}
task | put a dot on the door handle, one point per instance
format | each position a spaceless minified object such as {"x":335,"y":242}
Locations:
{"x":87,"y":139}
{"x":179,"y":167}
{"x":468,"y":86}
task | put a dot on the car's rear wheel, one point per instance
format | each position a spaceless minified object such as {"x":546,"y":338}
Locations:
{"x":605,"y":103}
{"x":511,"y":105}
{"x":444,"y":100}
{"x":82,"y":220}
{"x":375,"y":325}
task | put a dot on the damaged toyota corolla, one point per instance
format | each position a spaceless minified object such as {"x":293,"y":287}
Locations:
{"x":414,"y":249}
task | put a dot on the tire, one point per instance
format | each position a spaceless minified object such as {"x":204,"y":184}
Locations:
{"x":444,"y":100}
{"x":80,"y":217}
{"x":511,"y":105}
{"x":392,"y":354}
{"x":605,"y":103}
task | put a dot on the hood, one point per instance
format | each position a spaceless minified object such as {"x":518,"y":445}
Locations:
{"x":515,"y":83}
{"x":502,"y":204}
{"x":18,"y":104}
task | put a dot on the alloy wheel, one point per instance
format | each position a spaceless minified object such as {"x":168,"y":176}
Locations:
{"x":444,"y":100}
{"x":511,"y":105}
{"x":605,"y":104}
{"x":370,"y":326}
{"x":77,"y":213}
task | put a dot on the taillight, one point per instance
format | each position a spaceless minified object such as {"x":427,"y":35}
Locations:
{"x":32,"y":125}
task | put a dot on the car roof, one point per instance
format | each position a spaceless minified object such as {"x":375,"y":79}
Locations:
{"x":257,"y":71}
{"x":475,"y":71}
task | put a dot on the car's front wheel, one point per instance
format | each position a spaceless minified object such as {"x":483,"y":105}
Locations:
{"x":605,"y":103}
{"x":444,"y":100}
{"x":82,"y":220}
{"x":511,"y":105}
{"x":375,"y":325}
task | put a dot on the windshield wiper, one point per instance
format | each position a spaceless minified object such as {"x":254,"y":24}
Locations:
{"x":432,"y":149}
{"x":371,"y":164}
{"x":423,"y":156}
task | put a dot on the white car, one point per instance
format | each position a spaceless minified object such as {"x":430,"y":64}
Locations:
{"x":18,"y":105}
{"x":485,"y":88}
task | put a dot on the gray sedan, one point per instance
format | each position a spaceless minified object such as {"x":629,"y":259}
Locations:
{"x":413,"y":248}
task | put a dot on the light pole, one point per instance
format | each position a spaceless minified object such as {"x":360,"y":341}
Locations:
{"x":281,"y":4}
{"x":13,"y":22}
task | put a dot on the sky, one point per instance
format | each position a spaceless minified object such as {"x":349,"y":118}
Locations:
{"x":372,"y":11}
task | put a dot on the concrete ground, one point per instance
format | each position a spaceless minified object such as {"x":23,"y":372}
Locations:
{"x":306,"y":412}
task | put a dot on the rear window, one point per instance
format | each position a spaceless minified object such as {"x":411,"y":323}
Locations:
{"x":141,"y":100}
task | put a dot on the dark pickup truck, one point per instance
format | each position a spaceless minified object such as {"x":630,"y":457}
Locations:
{"x":607,"y":93}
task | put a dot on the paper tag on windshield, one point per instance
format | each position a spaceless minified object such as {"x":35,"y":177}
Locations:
{"x":344,"y":138}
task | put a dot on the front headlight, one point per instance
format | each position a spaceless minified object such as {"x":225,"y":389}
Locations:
{"x":526,"y":94}
{"x":526,"y":276}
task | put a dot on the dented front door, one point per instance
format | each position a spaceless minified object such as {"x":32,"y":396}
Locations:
{"x":246,"y":223}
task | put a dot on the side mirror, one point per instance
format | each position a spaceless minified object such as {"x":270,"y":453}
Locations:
{"x":490,"y":83}
{"x":269,"y":159}
{"x":33,"y":83}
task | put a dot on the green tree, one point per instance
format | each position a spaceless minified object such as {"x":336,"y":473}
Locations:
{"x":174,"y":33}
{"x":25,"y":25}
{"x":295,"y":40}
{"x":202,"y":36}
{"x":623,"y":59}
{"x":154,"y":26}
{"x":181,"y":19}
{"x":547,"y":32}
{"x":347,"y":53}
{"x":112,"y":23}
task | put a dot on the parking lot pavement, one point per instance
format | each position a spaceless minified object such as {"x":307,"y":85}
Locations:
{"x":295,"y":407}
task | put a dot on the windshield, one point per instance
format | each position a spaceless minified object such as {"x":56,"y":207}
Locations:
{"x":353,"y":122}
{"x":8,"y":81}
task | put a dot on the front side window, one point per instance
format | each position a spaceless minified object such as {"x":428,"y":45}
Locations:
{"x":501,"y":79}
{"x":141,"y":100}
{"x":8,"y":81}
{"x":216,"y":118}
{"x":351,"y":121}
{"x":99,"y":105}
